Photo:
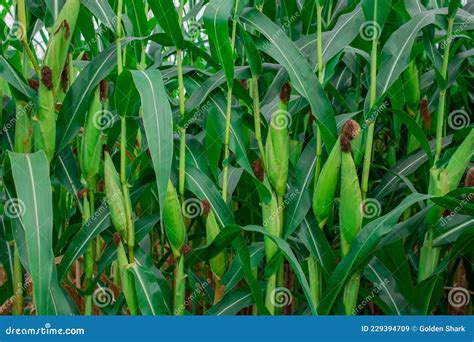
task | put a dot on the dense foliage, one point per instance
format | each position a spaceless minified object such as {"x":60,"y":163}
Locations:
{"x":224,"y":157}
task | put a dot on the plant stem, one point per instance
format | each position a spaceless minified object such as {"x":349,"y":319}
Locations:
{"x":256,"y":114}
{"x":228,"y":112}
{"x":319,"y":143}
{"x":17,"y":283}
{"x":371,"y":125}
{"x":442,"y":93}
{"x":179,"y":287}
{"x":182,"y":146}
{"x":123,"y":149}
{"x":313,"y":266}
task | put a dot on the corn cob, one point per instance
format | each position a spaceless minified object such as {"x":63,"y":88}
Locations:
{"x":350,"y":210}
{"x":350,"y":218}
{"x":459,"y":161}
{"x":53,"y":64}
{"x":218,"y":263}
{"x":412,"y":87}
{"x":277,"y":152}
{"x":115,"y":197}
{"x":91,"y":149}
{"x":173,"y":221}
{"x":429,"y":255}
{"x":325,"y":189}
{"x":126,"y":280}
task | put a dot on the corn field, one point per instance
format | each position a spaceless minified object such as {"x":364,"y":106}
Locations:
{"x":236,"y":157}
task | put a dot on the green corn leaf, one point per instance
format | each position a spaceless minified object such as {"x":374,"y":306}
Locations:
{"x":74,"y":107}
{"x":216,"y":19}
{"x":150,"y":297}
{"x":165,"y":12}
{"x":103,"y":12}
{"x":33,"y":187}
{"x":158,"y":123}
{"x":364,"y":245}
{"x":303,"y":79}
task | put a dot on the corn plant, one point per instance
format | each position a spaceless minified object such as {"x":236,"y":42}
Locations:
{"x":223,"y":157}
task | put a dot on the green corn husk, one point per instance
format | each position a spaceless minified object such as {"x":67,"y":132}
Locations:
{"x":173,"y":221}
{"x":91,"y":148}
{"x":429,"y":255}
{"x":115,"y":197}
{"x":60,"y":38}
{"x":459,"y":161}
{"x":350,"y":213}
{"x":350,"y":217}
{"x":351,"y":292}
{"x":126,"y":280}
{"x":53,"y":64}
{"x":326,"y":186}
{"x":44,"y":124}
{"x":23,"y":129}
{"x":412,"y":87}
{"x":219,"y":262}
{"x":277,"y":145}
